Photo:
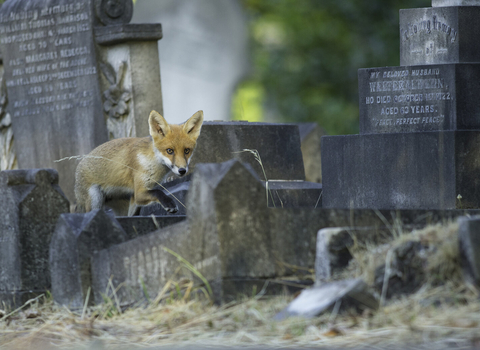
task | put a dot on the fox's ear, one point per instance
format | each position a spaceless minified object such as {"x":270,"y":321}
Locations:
{"x":158,"y":125}
{"x":193,"y":125}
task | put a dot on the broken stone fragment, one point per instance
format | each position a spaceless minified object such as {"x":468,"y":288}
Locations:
{"x":350,"y":294}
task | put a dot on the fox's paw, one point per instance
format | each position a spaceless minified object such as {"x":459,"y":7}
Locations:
{"x":169,"y":205}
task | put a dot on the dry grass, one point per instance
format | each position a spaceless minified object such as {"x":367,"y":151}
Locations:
{"x":443,"y":313}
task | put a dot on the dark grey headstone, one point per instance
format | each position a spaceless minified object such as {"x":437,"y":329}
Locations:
{"x":220,"y":238}
{"x":314,"y":301}
{"x":76,"y":238}
{"x":31,"y":202}
{"x":51,"y":75}
{"x":277,"y":144}
{"x":430,"y":170}
{"x":437,"y":35}
{"x":419,"y":98}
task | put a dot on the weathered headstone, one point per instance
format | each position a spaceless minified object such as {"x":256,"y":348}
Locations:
{"x":204,"y":54}
{"x":66,"y":94}
{"x":75,"y":239}
{"x":31,"y":202}
{"x":278,"y":146}
{"x":419,"y":123}
{"x":217,"y":238}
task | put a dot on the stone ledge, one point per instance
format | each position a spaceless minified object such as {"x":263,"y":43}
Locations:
{"x":120,"y":33}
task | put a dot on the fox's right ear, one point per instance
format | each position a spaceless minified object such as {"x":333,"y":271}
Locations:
{"x":158,"y":125}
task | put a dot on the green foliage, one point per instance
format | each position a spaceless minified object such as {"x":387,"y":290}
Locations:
{"x":306,"y":54}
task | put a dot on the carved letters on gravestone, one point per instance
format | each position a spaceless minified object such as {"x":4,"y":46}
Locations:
{"x":52,"y":80}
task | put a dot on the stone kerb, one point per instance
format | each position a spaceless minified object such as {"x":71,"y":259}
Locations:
{"x":75,"y":239}
{"x":31,"y":202}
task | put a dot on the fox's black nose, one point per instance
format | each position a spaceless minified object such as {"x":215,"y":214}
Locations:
{"x":182,"y":171}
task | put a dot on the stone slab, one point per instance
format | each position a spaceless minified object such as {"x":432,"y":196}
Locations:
{"x":427,"y":170}
{"x":51,"y":76}
{"x":347,"y":293}
{"x":419,"y":98}
{"x":31,"y":202}
{"x":278,"y":145}
{"x":120,"y":33}
{"x":438,"y":35}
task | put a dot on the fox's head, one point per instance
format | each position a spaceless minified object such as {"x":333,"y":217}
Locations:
{"x":174,"y":144}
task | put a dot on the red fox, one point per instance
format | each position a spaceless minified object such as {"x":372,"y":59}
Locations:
{"x":129,"y":168}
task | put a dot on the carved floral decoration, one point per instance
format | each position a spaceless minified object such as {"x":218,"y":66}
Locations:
{"x":8,"y":159}
{"x":116,"y":98}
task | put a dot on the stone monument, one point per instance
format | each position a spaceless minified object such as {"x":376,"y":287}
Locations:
{"x":419,"y":138}
{"x":75,"y":74}
{"x":204,"y":54}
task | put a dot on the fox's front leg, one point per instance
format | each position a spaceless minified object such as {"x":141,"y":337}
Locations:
{"x":144,"y":196}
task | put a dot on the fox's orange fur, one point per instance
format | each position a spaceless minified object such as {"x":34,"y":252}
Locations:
{"x":130,"y":168}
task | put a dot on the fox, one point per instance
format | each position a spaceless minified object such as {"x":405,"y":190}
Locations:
{"x":129,"y":168}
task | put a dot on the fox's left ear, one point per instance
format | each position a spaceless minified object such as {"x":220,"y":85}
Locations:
{"x":193,"y":125}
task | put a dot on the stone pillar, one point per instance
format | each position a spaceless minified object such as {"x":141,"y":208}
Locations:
{"x":130,"y":77}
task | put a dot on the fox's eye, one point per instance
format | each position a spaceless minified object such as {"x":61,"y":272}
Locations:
{"x":187,"y":150}
{"x":169,"y":151}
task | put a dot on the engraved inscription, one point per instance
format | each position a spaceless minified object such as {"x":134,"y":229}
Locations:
{"x":429,"y":27}
{"x":406,"y":99}
{"x":46,"y":58}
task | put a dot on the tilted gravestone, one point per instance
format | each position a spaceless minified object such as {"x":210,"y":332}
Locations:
{"x":70,"y":67}
{"x":217,"y":238}
{"x":419,"y":123}
{"x":75,"y":239}
{"x":31,"y":202}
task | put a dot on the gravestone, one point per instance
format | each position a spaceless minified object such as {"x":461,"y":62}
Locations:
{"x":75,"y":239}
{"x":419,"y":123}
{"x":31,"y":202}
{"x":204,"y":54}
{"x":69,"y":70}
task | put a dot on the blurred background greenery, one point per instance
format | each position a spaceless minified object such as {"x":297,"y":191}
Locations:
{"x":305,"y":57}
